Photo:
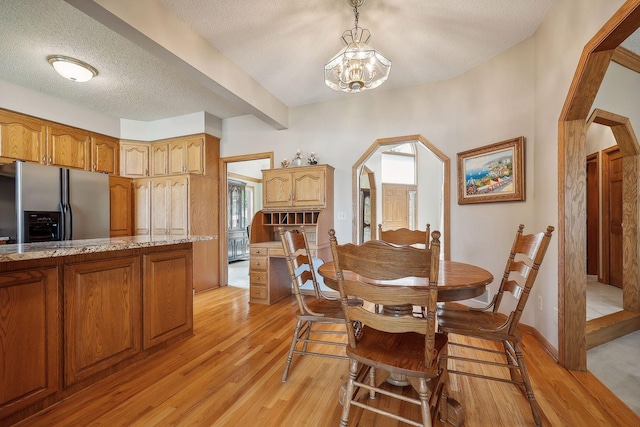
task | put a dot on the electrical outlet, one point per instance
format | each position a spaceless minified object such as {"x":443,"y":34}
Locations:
{"x":540,"y":302}
{"x":342,"y":216}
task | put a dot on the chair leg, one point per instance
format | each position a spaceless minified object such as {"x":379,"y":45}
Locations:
{"x":527,"y":385}
{"x":294,"y":341}
{"x":353,"y":373}
{"x":307,"y":335}
{"x":423,"y":391}
{"x":372,"y":382}
{"x":509,"y":354}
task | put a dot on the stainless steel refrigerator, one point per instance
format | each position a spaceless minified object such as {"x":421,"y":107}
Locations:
{"x":79,"y":199}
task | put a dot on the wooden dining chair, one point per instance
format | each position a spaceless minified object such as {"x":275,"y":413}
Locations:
{"x":405,"y":236}
{"x":487,"y":323}
{"x":316,"y":313}
{"x":394,"y":344}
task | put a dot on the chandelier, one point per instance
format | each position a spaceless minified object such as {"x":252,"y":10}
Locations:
{"x":357,"y":66}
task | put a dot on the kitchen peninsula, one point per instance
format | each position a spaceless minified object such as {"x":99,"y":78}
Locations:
{"x":74,"y":312}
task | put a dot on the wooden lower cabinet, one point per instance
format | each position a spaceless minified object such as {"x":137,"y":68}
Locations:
{"x":168,"y":303}
{"x":68,"y":322}
{"x":29,"y":338}
{"x":101,"y":315}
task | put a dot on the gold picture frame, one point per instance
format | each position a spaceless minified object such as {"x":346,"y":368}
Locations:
{"x":492,"y":173}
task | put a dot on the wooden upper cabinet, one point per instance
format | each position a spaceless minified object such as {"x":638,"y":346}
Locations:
{"x":309,"y":188}
{"x":105,"y":154}
{"x":183,"y":155}
{"x":21,"y":137}
{"x":300,"y":187}
{"x":194,"y":155}
{"x":68,"y":147}
{"x":159,"y":158}
{"x":277,"y":188}
{"x":134,"y":159}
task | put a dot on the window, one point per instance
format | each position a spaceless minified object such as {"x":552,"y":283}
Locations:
{"x":399,"y":164}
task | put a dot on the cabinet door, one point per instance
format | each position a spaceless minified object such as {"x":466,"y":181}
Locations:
{"x":167,"y":296}
{"x":309,"y":188}
{"x":179,"y":202}
{"x":194,"y":148}
{"x":101,"y":315}
{"x":105,"y":154}
{"x":277,"y":188}
{"x":120,"y":191}
{"x":177,"y":158}
{"x":29,"y":336}
{"x":68,"y":147}
{"x":142,"y":202}
{"x":160,"y":207}
{"x":134,"y":160}
{"x":21,"y":137}
{"x":159,"y":159}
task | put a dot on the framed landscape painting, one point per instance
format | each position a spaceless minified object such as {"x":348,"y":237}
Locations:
{"x":493,"y":173}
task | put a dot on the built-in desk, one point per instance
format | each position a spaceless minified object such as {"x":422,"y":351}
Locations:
{"x":269,"y":278}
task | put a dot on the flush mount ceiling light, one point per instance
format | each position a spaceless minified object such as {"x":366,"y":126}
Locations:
{"x":72,"y":69}
{"x":357,"y":66}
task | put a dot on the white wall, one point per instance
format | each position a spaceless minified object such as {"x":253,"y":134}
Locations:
{"x":37,"y":104}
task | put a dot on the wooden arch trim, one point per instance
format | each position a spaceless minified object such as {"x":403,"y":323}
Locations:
{"x":446,"y":200}
{"x":572,"y":127}
{"x":630,"y":150}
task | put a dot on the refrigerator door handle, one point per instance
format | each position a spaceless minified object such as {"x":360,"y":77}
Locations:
{"x":70,"y":221}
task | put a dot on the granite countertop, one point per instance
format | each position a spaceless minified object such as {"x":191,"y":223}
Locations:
{"x":26,"y":251}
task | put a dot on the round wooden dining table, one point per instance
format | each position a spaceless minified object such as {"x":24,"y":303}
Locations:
{"x":456,"y":280}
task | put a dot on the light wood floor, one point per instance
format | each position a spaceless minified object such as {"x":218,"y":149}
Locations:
{"x":228,"y":374}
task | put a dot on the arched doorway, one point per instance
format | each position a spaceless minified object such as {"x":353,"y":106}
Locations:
{"x":571,"y":184}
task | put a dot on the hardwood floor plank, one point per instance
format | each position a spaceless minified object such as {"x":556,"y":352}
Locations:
{"x":229,"y":374}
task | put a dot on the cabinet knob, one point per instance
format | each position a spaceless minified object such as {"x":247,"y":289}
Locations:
{"x":50,"y":160}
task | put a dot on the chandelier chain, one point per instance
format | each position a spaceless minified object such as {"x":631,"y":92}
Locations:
{"x":357,"y":14}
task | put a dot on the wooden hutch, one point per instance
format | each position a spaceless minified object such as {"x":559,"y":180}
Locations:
{"x":292,"y":197}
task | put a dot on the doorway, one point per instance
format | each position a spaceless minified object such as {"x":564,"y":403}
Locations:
{"x":245,"y":169}
{"x":398,"y":206}
{"x":612,"y":180}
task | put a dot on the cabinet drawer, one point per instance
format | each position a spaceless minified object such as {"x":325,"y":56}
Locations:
{"x":258,"y":292}
{"x":258,"y":251}
{"x":276,"y":252}
{"x":259,"y":277}
{"x":258,"y":262}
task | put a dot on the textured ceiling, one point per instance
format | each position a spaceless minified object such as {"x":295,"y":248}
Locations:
{"x":281,"y":44}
